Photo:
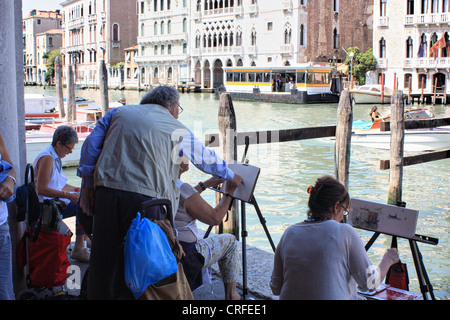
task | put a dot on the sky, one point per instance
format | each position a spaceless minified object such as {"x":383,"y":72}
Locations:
{"x":46,"y":5}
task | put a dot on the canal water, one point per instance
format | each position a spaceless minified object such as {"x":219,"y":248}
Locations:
{"x":287,"y":169}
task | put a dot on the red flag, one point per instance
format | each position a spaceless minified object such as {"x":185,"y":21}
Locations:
{"x":441,"y":43}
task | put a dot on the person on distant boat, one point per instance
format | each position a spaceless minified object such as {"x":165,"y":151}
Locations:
{"x":51,"y":183}
{"x":375,"y":114}
{"x":321,"y":258}
{"x":203,"y":253}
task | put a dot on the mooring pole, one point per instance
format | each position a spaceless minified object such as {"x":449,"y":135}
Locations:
{"x":71,"y":104}
{"x":228,"y":140}
{"x":59,"y":88}
{"x":343,"y":138}
{"x":397,"y":142}
{"x":103,"y":85}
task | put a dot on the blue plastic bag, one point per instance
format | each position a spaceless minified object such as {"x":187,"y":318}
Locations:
{"x":148,"y":256}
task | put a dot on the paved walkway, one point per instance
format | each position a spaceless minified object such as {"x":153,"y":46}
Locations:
{"x":259,"y":269}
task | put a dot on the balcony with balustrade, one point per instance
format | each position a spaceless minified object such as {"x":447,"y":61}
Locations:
{"x":427,"y":19}
{"x":426,"y":63}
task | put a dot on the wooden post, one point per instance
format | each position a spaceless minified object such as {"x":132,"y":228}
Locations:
{"x":59,"y":88}
{"x":421,"y":95}
{"x":409,"y":91}
{"x":227,"y":134}
{"x":444,"y":98}
{"x":103,"y":85}
{"x":435,"y":90}
{"x":397,"y":140}
{"x":382,"y":87}
{"x":343,"y":138}
{"x":71,"y":104}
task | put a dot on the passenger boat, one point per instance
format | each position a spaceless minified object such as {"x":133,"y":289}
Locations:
{"x":371,"y":94}
{"x":368,"y":134}
{"x":305,"y":83}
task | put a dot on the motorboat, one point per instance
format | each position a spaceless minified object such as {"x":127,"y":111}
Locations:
{"x":371,"y":94}
{"x":368,"y":134}
{"x":37,"y":140}
{"x":41,"y":107}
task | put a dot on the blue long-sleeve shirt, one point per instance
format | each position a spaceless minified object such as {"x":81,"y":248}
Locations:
{"x":203,"y":158}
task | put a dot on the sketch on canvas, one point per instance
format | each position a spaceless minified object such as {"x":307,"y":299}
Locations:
{"x":383,"y":218}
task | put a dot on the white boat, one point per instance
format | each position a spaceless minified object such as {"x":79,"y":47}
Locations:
{"x":368,"y":134}
{"x":41,"y":106}
{"x":371,"y":94}
{"x":37,"y":140}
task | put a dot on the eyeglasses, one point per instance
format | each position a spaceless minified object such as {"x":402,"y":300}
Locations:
{"x":68,"y":148}
{"x":346,"y":210}
{"x":180,"y":109}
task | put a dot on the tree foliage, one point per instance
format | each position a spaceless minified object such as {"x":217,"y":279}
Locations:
{"x":50,"y":56}
{"x":362,"y":63}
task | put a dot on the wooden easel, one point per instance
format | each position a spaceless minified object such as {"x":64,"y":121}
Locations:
{"x":398,"y":222}
{"x":422,"y":276}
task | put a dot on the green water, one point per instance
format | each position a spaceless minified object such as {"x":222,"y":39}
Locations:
{"x":287,"y":169}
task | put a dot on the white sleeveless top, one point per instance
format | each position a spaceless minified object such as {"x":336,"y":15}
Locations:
{"x":57,"y":178}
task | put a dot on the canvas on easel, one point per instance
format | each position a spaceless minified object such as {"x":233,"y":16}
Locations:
{"x":384,"y":218}
{"x":249,"y":176}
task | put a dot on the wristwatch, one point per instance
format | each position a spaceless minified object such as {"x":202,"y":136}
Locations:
{"x":202,"y":186}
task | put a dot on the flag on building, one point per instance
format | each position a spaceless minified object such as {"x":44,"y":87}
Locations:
{"x":420,"y":52}
{"x":441,"y":43}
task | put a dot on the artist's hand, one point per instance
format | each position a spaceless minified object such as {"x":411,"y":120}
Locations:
{"x":6,"y":188}
{"x":392,"y":256}
{"x":230,"y":186}
{"x":87,"y":199}
{"x":237,"y":180}
{"x":213,"y":182}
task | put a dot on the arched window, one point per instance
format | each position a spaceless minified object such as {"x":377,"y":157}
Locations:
{"x":184,"y":25}
{"x":169,"y":27}
{"x":253,"y":37}
{"x":287,"y":35}
{"x":116,"y":36}
{"x":409,"y":48}
{"x":423,"y":46}
{"x":142,"y":30}
{"x":155,"y":73}
{"x":155,"y":28}
{"x":335,"y":39}
{"x":382,"y":48}
{"x":302,"y":35}
{"x":162,"y":27}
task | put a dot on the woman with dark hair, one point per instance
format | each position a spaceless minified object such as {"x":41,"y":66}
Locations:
{"x":321,"y":258}
{"x":375,"y":114}
{"x":51,"y":182}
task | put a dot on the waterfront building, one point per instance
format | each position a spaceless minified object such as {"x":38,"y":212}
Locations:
{"x":36,"y":23}
{"x":411,"y":44}
{"x":190,"y":41}
{"x":95,"y":30}
{"x":45,"y":43}
{"x":132,"y":78}
{"x":163,"y":56}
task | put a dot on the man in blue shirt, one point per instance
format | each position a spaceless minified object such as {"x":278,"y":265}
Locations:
{"x":133,"y":155}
